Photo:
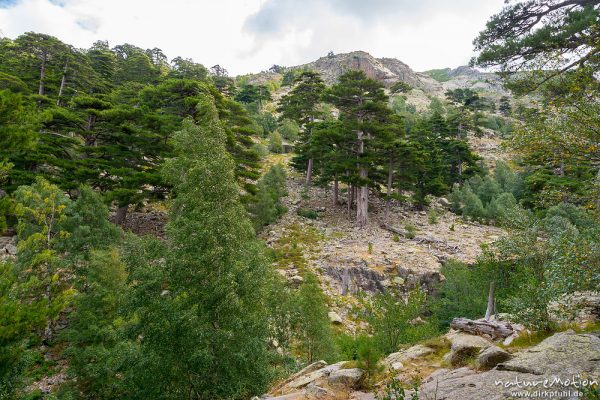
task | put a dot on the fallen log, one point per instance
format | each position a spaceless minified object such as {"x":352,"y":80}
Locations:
{"x":495,"y":329}
{"x":397,"y":231}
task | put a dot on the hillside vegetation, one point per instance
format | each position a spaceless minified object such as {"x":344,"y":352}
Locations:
{"x":347,"y":228}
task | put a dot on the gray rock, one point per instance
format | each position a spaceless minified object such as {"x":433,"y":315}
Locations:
{"x":296,"y":280}
{"x":465,"y":346}
{"x":564,"y":355}
{"x":347,"y":377}
{"x":444,"y":202}
{"x":578,"y":307}
{"x":315,"y":391}
{"x":403,"y":356}
{"x":11,"y":249}
{"x":492,"y":356}
{"x":335,"y":318}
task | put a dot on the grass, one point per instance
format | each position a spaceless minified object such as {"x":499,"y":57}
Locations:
{"x":288,"y":251}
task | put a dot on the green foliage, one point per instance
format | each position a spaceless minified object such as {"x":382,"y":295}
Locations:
{"x":313,"y":329}
{"x":307,"y":213}
{"x":395,"y":390}
{"x":440,"y":75}
{"x":215,"y":272}
{"x":368,"y":356}
{"x":96,"y":352}
{"x":491,"y":198}
{"x":411,"y":231}
{"x":275,"y":143}
{"x":392,"y":320}
{"x":289,"y":130}
{"x":266,"y":206}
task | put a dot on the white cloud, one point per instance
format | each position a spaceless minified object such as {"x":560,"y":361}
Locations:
{"x":250,"y":35}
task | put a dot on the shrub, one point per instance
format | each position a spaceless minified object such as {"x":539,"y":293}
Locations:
{"x":306,"y":213}
{"x":289,"y":130}
{"x":275,"y":143}
{"x":411,"y":231}
{"x":266,"y":205}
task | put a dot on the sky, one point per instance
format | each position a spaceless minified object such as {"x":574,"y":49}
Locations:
{"x":247,"y":36}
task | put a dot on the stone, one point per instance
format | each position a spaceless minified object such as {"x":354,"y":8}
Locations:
{"x":347,"y":377}
{"x":315,"y":391}
{"x":444,"y":202}
{"x":296,"y":280}
{"x":398,"y":280}
{"x":335,"y":318}
{"x":465,"y":346}
{"x":579,"y":307}
{"x":564,"y":355}
{"x":397,"y":366}
{"x":492,"y":356}
{"x":411,"y":353}
{"x":11,"y":249}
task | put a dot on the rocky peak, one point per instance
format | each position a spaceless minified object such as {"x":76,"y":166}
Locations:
{"x":386,"y":70}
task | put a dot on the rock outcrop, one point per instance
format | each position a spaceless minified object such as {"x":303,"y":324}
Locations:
{"x":556,"y":362}
{"x":386,"y":70}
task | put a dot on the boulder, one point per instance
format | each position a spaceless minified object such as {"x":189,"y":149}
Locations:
{"x":347,"y":377}
{"x":465,"y":346}
{"x":316,"y":392}
{"x":562,"y":353}
{"x":411,"y":353}
{"x":444,"y":202}
{"x":578,"y":307}
{"x":567,"y":355}
{"x":335,"y":318}
{"x":296,"y":280}
{"x":492,"y":356}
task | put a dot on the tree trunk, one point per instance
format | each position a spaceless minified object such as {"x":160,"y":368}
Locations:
{"x":121,"y":214}
{"x":496,"y":329}
{"x":63,"y":83}
{"x":309,"y":170}
{"x":42,"y":75}
{"x":490,"y":303}
{"x":336,"y":192}
{"x":362,"y":201}
{"x":389,"y":188}
{"x":350,"y":199}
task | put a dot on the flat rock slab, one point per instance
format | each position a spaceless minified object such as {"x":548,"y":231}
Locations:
{"x":562,"y":356}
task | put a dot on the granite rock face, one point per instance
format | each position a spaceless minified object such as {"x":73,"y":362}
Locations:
{"x":565,"y":356}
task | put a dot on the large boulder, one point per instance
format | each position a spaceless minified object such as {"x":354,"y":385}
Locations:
{"x":562,"y":356}
{"x":395,"y":361}
{"x":578,"y":307}
{"x":347,"y":377}
{"x":562,"y":353}
{"x":465,"y":347}
{"x":492,"y":356}
{"x":335,"y":318}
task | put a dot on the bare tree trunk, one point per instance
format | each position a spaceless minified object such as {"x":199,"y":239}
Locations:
{"x":42,"y":75}
{"x":490,"y":303}
{"x":309,"y":170}
{"x":362,"y":202}
{"x":389,"y":188}
{"x":336,"y":192}
{"x":63,"y":83}
{"x":121,"y":214}
{"x":350,"y":199}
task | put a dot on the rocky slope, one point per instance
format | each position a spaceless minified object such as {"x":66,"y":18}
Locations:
{"x":386,"y":70}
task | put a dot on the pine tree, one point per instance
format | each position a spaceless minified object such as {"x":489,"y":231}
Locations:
{"x":363,"y":111}
{"x":300,"y":105}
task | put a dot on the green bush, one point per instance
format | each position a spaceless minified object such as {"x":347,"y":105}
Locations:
{"x":266,"y":205}
{"x":411,"y":231}
{"x":289,"y":130}
{"x":306,"y":213}
{"x":275,"y":143}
